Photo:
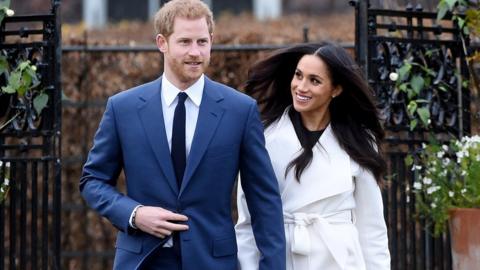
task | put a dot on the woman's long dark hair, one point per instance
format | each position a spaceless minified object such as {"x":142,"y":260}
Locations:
{"x":354,"y":118}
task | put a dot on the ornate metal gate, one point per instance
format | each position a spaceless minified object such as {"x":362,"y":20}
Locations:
{"x":384,"y":39}
{"x":30,"y":141}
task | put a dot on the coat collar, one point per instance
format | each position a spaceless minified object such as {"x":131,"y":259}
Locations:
{"x":327,"y":175}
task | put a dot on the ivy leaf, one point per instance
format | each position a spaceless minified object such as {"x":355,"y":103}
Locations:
{"x":40,"y":102}
{"x":409,"y":160}
{"x":417,"y":83}
{"x":451,"y":3}
{"x":23,"y":65}
{"x":412,"y":107}
{"x":3,"y":64}
{"x":404,"y":71}
{"x":26,"y":79}
{"x":403,"y":87}
{"x":460,"y":22}
{"x":14,"y":79}
{"x":8,"y":89}
{"x":5,"y":3}
{"x":442,"y":9}
{"x":413,"y":124}
{"x":424,"y":114}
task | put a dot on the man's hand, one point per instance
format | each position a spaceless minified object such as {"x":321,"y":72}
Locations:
{"x":158,"y":221}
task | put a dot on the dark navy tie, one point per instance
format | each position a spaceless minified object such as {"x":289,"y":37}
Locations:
{"x":179,"y":155}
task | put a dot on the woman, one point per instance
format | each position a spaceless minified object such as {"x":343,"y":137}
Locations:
{"x":323,"y":135}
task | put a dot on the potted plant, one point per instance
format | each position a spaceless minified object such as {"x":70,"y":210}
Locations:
{"x":447,"y":191}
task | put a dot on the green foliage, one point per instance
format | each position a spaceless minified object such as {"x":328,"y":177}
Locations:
{"x":4,"y":9}
{"x":21,"y":80}
{"x":412,"y":79}
{"x":449,"y":177}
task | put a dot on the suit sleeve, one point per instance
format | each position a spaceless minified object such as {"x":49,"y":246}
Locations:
{"x":261,"y":194}
{"x":370,"y":221}
{"x":100,"y":173}
{"x":248,"y":255}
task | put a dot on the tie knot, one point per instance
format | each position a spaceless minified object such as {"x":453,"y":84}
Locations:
{"x":182,"y":96}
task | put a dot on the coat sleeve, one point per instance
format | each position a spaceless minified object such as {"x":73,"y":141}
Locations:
{"x":370,"y":221}
{"x":248,"y":255}
{"x":100,"y":173}
{"x":260,"y":188}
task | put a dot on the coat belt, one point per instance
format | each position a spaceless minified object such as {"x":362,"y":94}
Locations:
{"x":324,"y":226}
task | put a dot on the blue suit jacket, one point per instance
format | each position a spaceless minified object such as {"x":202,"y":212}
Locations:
{"x":228,"y":139}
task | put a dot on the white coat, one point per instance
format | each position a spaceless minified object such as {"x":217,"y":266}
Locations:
{"x":333,"y":217}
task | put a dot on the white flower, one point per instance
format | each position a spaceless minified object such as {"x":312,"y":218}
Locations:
{"x":416,"y":167}
{"x":445,"y":147}
{"x":1,"y":163}
{"x":34,"y":68}
{"x":408,"y":198}
{"x":6,"y":182}
{"x":417,"y":185}
{"x":463,"y":173}
{"x":7,"y":164}
{"x":2,"y":190}
{"x":427,"y":181}
{"x":393,"y":76}
{"x":433,"y":205}
{"x":440,"y":154}
{"x":477,"y":158}
{"x":424,"y":145}
{"x":451,"y":193}
{"x":463,"y":190}
{"x":10,"y":12}
{"x":432,"y":189}
{"x":446,"y":161}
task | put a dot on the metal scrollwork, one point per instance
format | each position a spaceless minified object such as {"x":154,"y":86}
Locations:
{"x":441,"y":94}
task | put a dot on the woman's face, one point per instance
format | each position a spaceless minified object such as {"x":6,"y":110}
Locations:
{"x":311,"y":86}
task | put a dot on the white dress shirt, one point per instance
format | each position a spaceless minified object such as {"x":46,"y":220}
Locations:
{"x":192,"y":106}
{"x":169,"y":96}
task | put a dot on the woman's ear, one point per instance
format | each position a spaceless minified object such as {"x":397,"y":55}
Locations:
{"x":337,"y":91}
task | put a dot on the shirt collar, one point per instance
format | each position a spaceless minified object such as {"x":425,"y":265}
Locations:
{"x":194,"y":92}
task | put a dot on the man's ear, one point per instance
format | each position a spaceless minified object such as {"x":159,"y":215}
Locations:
{"x":162,"y":43}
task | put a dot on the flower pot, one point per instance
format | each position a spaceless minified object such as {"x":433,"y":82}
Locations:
{"x":465,"y":238}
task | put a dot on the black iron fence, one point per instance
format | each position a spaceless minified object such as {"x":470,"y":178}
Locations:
{"x":30,"y":145}
{"x":384,"y":40}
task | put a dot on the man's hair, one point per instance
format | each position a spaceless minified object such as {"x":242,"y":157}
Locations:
{"x":188,"y":9}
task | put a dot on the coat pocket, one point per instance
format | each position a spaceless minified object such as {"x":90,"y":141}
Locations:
{"x":129,"y":243}
{"x":225,"y":246}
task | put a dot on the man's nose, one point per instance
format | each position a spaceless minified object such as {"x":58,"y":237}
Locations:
{"x":194,"y":50}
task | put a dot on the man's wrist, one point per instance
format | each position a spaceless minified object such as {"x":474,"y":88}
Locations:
{"x":133,"y":216}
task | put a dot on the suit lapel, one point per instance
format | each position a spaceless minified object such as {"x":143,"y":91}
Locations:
{"x":209,"y":116}
{"x":151,"y":115}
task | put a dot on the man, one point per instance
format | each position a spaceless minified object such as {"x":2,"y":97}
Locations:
{"x":181,"y":141}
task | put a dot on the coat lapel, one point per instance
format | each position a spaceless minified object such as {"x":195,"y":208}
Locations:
{"x":209,"y":116}
{"x":151,"y":115}
{"x":327,"y":175}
